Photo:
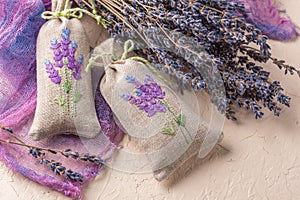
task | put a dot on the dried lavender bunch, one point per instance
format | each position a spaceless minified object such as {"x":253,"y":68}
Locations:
{"x":220,"y":28}
{"x":56,"y":167}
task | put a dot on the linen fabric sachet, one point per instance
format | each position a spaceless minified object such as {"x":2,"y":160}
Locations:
{"x":162,"y":125}
{"x":65,"y":101}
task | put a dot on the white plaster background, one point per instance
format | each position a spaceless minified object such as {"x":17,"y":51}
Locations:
{"x":263,"y":162}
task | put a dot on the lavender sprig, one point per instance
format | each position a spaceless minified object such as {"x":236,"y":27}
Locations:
{"x":56,"y":167}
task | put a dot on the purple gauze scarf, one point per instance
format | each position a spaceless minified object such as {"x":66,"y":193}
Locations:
{"x":19,"y":25}
{"x":267,"y":17}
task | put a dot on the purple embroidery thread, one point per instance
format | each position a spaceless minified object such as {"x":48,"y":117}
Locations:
{"x":64,"y":55}
{"x":151,"y":98}
{"x":54,"y":75}
{"x":148,"y":96}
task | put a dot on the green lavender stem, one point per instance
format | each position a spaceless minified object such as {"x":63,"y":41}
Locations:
{"x":180,"y":119}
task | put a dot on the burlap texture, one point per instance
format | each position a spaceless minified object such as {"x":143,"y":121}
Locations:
{"x":166,"y":153}
{"x":71,"y":118}
{"x":95,"y":33}
{"x":58,"y":5}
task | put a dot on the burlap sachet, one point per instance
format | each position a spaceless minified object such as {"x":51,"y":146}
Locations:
{"x":65,"y":101}
{"x":158,"y":119}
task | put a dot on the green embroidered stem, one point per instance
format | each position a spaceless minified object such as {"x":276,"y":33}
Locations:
{"x":67,"y":84}
{"x":75,"y":13}
{"x":170,"y":110}
{"x":179,"y":119}
{"x":67,"y":88}
{"x":169,"y":130}
{"x":76,"y":98}
{"x":62,"y":97}
{"x":74,"y":108}
{"x":59,"y":100}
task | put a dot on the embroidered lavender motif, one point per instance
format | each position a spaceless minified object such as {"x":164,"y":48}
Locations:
{"x":147,"y":96}
{"x":64,"y":54}
{"x":54,"y":76}
{"x":150,"y":97}
{"x":64,"y":61}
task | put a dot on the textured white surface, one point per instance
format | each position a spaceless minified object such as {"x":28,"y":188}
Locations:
{"x":263,"y":162}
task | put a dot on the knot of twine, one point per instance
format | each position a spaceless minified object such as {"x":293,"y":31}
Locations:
{"x":128,"y":47}
{"x":75,"y":13}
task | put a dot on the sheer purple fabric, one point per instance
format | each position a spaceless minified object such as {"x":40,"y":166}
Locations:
{"x":47,"y":4}
{"x":268,"y":17}
{"x":19,"y":25}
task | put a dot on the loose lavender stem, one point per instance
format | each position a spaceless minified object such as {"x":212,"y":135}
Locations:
{"x":10,"y":132}
{"x":67,"y":152}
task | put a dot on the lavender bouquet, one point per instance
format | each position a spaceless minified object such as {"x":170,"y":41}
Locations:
{"x":171,"y":29}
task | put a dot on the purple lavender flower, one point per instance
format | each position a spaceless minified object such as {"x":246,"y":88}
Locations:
{"x":131,"y":79}
{"x":147,"y":96}
{"x":80,"y":58}
{"x":54,"y":75}
{"x":76,"y":73}
{"x":71,"y":56}
{"x":66,"y":34}
{"x":54,"y":44}
{"x":58,"y":56}
{"x":64,"y":55}
{"x":65,"y":41}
